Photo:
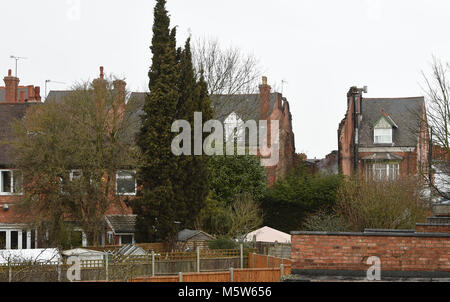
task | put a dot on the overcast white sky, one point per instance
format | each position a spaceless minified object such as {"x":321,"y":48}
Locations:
{"x":320,"y":47}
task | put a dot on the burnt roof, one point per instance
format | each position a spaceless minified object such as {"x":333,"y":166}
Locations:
{"x":406,"y":112}
{"x":9,"y":112}
{"x":246,"y":106}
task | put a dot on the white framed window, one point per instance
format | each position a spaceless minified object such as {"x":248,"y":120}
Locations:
{"x":382,"y":136}
{"x":126,"y":182}
{"x":383,"y":171}
{"x":11,"y":182}
{"x":73,"y":174}
{"x":110,"y":238}
{"x":234,"y":130}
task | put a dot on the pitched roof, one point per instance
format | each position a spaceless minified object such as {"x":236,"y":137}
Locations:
{"x":187,"y":234}
{"x":382,"y":156}
{"x":121,"y":223}
{"x":246,"y":106}
{"x":268,"y":234}
{"x":9,"y":112}
{"x":406,"y":112}
{"x":131,"y":249}
{"x":57,"y":96}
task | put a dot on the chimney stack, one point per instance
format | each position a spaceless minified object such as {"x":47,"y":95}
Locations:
{"x":264,"y":99}
{"x":100,"y":83}
{"x":119,"y":89}
{"x":22,"y":96}
{"x":11,"y":85}
{"x":37,"y":93}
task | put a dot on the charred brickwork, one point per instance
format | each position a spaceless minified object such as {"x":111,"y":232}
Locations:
{"x":383,"y":137}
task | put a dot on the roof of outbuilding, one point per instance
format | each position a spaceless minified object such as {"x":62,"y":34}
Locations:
{"x":122,"y":223}
{"x":187,"y":234}
{"x":406,"y":112}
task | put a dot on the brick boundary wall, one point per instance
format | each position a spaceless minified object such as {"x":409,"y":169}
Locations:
{"x":436,"y":228}
{"x":402,"y":253}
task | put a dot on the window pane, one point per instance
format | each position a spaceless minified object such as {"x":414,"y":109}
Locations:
{"x":127,"y":239}
{"x":2,"y":240}
{"x":383,"y":136}
{"x":14,"y":240}
{"x":76,"y":174}
{"x":126,"y":182}
{"x":5,"y":185}
{"x":24,"y":239}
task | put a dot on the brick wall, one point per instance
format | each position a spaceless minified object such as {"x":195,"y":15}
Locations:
{"x":349,"y":251}
{"x":430,"y":228}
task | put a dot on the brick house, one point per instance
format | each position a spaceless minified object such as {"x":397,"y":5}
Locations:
{"x":234,"y":110}
{"x":15,"y":229}
{"x":383,"y":138}
{"x":14,"y":102}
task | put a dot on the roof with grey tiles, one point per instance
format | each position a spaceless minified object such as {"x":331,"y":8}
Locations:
{"x":405,"y":112}
{"x":246,"y":106}
{"x":122,"y":223}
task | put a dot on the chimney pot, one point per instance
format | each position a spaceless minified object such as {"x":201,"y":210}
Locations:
{"x":264,"y":80}
{"x":9,"y":72}
{"x":101,"y":72}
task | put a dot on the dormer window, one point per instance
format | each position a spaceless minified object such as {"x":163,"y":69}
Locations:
{"x":383,"y":136}
{"x":382,"y":132}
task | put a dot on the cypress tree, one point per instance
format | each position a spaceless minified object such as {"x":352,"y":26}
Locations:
{"x":174,"y":188}
{"x":192,"y":177}
{"x":155,"y":205}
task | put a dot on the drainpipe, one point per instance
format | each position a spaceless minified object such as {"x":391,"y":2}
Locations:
{"x":357,"y":95}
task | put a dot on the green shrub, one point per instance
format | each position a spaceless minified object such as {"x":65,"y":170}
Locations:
{"x":223,"y":243}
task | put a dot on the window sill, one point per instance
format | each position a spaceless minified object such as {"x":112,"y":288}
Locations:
{"x":126,"y":194}
{"x":11,"y":194}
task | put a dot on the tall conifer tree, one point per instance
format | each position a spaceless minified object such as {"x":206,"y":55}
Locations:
{"x":155,"y":207}
{"x":193,"y":178}
{"x":174,"y":188}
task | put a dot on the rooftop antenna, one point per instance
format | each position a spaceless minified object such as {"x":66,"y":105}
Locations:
{"x":50,"y":81}
{"x":17,"y":59}
{"x":282,"y":85}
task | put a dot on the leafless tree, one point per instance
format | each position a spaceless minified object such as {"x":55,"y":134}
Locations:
{"x":436,"y":90}
{"x":227,"y":71}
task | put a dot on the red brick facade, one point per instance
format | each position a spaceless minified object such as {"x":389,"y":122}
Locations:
{"x":17,"y":96}
{"x":282,"y":113}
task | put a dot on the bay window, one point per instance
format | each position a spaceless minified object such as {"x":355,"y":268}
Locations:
{"x":383,"y":171}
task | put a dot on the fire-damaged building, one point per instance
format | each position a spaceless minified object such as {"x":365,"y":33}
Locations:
{"x":234,"y":110}
{"x":383,"y":138}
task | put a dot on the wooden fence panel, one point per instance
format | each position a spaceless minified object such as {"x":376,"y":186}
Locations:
{"x":240,"y":275}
